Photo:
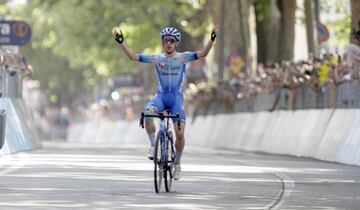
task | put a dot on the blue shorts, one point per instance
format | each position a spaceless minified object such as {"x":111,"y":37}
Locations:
{"x":172,"y":102}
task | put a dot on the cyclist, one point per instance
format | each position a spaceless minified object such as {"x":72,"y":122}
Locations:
{"x":171,"y":73}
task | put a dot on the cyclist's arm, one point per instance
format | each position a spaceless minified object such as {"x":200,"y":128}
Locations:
{"x":119,"y":37}
{"x":132,"y":56}
{"x":138,"y":57}
{"x":206,"y":49}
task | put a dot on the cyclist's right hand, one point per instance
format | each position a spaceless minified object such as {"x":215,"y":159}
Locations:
{"x":214,"y":33}
{"x":118,"y":35}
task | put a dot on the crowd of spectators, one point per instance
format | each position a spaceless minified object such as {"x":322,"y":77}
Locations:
{"x":329,"y":82}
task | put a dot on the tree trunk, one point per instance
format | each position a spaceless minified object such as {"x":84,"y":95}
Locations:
{"x":245,"y":52}
{"x":267,"y":30}
{"x":237,"y":22}
{"x":310,"y":25}
{"x":215,"y":7}
{"x":287,"y":30}
{"x":355,"y":15}
{"x":261,"y":37}
{"x":234,"y":40}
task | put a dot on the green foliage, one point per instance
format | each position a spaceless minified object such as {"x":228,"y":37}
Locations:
{"x":80,"y":31}
{"x":56,"y":77}
{"x":72,"y":41}
{"x":339,"y":20}
{"x":341,"y":30}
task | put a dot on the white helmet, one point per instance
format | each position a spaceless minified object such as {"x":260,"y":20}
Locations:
{"x":170,"y":31}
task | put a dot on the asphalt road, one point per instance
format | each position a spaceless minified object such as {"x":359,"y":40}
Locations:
{"x":68,"y":176}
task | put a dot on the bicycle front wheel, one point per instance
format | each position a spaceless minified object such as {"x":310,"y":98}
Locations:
{"x":168,"y":173}
{"x":158,"y":163}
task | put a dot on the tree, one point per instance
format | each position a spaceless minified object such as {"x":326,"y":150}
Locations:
{"x":287,"y":30}
{"x":75,"y":36}
{"x":267,"y":30}
{"x":237,"y":30}
{"x":355,"y":14}
{"x":56,"y":77}
{"x":245,"y":51}
{"x":217,"y":8}
{"x":310,"y":25}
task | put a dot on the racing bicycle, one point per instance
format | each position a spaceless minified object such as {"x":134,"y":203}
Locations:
{"x":164,"y":153}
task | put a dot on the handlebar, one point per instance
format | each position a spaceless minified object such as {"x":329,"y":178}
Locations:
{"x":161,"y":116}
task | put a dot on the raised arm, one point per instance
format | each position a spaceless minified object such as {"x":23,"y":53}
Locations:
{"x":132,"y":56}
{"x":119,"y":37}
{"x":206,"y":49}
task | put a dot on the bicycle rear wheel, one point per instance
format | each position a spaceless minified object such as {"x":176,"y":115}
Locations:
{"x":168,"y":173}
{"x":158,"y":163}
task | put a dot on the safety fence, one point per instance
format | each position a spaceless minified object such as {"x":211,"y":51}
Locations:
{"x":326,"y":134}
{"x":344,"y":96}
{"x":2,"y":127}
{"x":20,"y":133}
{"x":17,"y":130}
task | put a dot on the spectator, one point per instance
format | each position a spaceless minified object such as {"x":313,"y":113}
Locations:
{"x":353,"y":56}
{"x":62,"y":122}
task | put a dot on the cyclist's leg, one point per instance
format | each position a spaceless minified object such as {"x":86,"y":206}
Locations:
{"x":180,"y":141}
{"x":152,"y":107}
{"x":180,"y":137}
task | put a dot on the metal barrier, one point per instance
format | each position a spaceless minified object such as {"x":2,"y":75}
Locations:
{"x":20,"y":133}
{"x":345,"y":95}
{"x":2,"y":111}
{"x":2,"y":127}
{"x":11,"y":68}
{"x":329,"y":96}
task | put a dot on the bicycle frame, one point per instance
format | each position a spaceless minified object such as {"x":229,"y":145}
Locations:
{"x":164,"y":128}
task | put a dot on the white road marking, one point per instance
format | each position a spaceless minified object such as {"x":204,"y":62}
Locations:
{"x":11,"y":163}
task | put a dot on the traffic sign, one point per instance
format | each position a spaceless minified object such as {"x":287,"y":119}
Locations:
{"x":322,"y":32}
{"x":14,"y":32}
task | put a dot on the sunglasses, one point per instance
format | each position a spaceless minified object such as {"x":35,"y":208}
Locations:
{"x":171,"y":40}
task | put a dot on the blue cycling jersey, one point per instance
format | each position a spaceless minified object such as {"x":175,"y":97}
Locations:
{"x":171,"y":76}
{"x":170,"y":72}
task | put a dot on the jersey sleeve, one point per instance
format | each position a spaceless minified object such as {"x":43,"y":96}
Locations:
{"x":188,"y":57}
{"x":147,"y":58}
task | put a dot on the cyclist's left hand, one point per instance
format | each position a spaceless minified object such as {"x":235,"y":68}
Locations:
{"x":118,"y":35}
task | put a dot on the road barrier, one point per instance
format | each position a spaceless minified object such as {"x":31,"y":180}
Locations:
{"x":17,"y":129}
{"x":326,"y":134}
{"x":20,"y":132}
{"x":2,"y":127}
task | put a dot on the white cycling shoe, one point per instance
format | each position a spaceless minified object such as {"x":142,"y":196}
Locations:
{"x":177,"y":172}
{"x":150,"y":154}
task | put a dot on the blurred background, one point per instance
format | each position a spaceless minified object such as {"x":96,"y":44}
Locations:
{"x":269,"y":55}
